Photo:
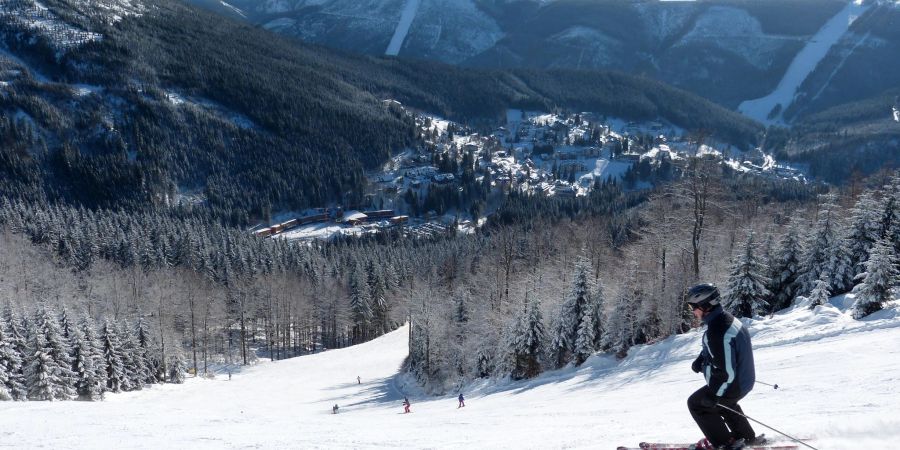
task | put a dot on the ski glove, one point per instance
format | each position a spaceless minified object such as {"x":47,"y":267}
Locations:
{"x":709,"y":401}
{"x":697,"y":365}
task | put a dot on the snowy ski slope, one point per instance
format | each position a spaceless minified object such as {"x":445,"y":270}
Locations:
{"x":839,"y":378}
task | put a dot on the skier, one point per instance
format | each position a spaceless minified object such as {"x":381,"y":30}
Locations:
{"x":405,"y":405}
{"x":462,"y":401}
{"x":726,"y":361}
{"x":334,"y":409}
{"x":358,"y":380}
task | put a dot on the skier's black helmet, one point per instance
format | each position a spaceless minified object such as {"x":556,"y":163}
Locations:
{"x":703,"y":296}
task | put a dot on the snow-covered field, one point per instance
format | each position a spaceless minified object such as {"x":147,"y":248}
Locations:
{"x":839,"y":385}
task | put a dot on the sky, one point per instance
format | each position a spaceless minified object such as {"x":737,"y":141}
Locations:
{"x":839,"y":384}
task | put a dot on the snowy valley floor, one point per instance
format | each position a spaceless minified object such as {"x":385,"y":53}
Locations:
{"x":839,"y":384}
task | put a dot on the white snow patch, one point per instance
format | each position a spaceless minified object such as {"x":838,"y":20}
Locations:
{"x":803,"y":64}
{"x":235,"y":9}
{"x":406,"y":18}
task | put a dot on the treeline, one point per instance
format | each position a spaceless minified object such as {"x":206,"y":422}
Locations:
{"x":843,"y":143}
{"x":601,"y":273}
{"x":50,"y":356}
{"x":556,"y":297}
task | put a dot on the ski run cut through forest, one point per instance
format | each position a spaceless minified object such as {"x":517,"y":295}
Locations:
{"x":837,"y":376}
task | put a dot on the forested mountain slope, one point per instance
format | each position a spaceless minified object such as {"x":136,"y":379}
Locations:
{"x":172,"y":103}
{"x":726,"y":50}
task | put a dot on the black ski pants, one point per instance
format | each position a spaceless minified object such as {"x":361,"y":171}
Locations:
{"x":719,"y":425}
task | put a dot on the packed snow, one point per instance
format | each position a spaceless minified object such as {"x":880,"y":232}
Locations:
{"x":838,"y":386}
{"x":803,"y":64}
{"x":406,"y":18}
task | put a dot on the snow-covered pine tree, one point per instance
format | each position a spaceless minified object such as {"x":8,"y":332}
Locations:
{"x":745,"y":292}
{"x":560,"y":348}
{"x":878,"y":281}
{"x":4,"y":381}
{"x":819,"y":295}
{"x":484,"y":360}
{"x":59,"y":350}
{"x":89,"y":335}
{"x":380,"y":307}
{"x":148,"y":351}
{"x":819,"y":256}
{"x":360,"y":306}
{"x":135,"y":369}
{"x":526,"y":341}
{"x":65,"y":325}
{"x":621,"y":324}
{"x":784,"y":270}
{"x":87,"y":387}
{"x":15,"y":336}
{"x":116,"y":378}
{"x":840,"y":265}
{"x":597,"y":306}
{"x":890,"y":212}
{"x":578,"y":303}
{"x":864,"y":230}
{"x":177,"y":368}
{"x":648,"y":323}
{"x":12,"y":385}
{"x":584,"y":343}
{"x":44,"y":378}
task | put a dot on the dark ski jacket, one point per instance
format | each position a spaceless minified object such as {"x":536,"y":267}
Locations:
{"x":727,"y":356}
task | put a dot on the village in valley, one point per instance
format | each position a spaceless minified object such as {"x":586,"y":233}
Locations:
{"x":459,"y":176}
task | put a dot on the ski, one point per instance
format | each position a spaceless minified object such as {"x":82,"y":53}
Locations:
{"x":667,"y":446}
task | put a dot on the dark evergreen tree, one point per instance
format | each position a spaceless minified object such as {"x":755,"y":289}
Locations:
{"x":360,"y":306}
{"x":878,"y":280}
{"x":526,"y":341}
{"x":116,"y":376}
{"x":746,"y":293}
{"x":12,"y":383}
{"x":825,"y":252}
{"x":147,"y":351}
{"x":45,"y":379}
{"x":87,"y":386}
{"x":94,"y":346}
{"x":864,"y":230}
{"x":133,"y":361}
{"x":15,"y":337}
{"x":784,"y":270}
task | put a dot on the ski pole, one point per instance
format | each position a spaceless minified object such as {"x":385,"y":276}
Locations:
{"x":779,"y":432}
{"x":767,"y":384}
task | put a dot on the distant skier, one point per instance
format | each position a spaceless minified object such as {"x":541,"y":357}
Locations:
{"x":405,"y":405}
{"x":727,"y":363}
{"x":358,"y":380}
{"x":462,"y":401}
{"x":334,"y":409}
